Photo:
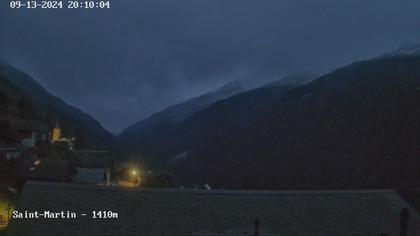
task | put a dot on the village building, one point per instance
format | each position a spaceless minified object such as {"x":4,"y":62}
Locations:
{"x":49,"y":170}
{"x":149,"y":212}
{"x":90,"y":176}
{"x":158,"y":178}
{"x":93,"y":159}
{"x":30,"y":132}
{"x":57,"y":138}
{"x":56,"y":133}
{"x":10,"y":152}
{"x":92,"y":166}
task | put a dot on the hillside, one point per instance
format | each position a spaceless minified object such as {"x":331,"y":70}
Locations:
{"x":176,"y":113}
{"x":357,"y":127}
{"x":224,"y":118}
{"x":17,"y":86}
{"x":411,"y":49}
{"x":233,"y":106}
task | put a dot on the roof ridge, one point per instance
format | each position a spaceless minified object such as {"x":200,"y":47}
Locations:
{"x":217,"y":191}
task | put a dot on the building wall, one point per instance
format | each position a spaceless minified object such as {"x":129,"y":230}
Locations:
{"x":56,"y":135}
{"x":29,"y":142}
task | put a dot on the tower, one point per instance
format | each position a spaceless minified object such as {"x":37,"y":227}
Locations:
{"x":56,"y":133}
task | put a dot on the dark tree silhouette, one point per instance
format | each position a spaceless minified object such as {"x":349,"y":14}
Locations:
{"x":7,"y":133}
{"x":26,"y":108}
{"x":79,"y":142}
{"x":4,"y":103}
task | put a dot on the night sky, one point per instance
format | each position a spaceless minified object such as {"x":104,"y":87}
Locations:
{"x":123,"y":64}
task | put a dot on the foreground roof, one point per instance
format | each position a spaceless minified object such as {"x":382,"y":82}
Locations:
{"x":199,"y":212}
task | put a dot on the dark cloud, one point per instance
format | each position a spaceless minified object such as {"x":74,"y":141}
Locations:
{"x":123,"y":64}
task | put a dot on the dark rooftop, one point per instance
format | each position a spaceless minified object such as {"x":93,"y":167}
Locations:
{"x":218,"y":212}
{"x":28,"y":125}
{"x":93,"y":159}
{"x":89,"y":175}
{"x":48,"y":170}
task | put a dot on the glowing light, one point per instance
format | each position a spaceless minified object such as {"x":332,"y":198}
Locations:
{"x":37,"y":162}
{"x":5,"y":211}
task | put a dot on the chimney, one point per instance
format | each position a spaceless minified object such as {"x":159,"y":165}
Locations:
{"x":404,"y":217}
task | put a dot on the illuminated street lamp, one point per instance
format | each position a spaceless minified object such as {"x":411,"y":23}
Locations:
{"x":134,"y":173}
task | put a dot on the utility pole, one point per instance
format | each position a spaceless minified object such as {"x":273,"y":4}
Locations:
{"x":257,"y":227}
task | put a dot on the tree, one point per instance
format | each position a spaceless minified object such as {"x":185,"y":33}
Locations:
{"x":7,"y":133}
{"x":79,"y":142}
{"x":26,"y":108}
{"x":4,"y":103}
{"x":4,"y":99}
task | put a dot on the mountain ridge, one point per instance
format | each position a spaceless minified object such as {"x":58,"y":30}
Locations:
{"x":55,"y":107}
{"x":180,"y":111}
{"x":355,"y":128}
{"x":149,"y":125}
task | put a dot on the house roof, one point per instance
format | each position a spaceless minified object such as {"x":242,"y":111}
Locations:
{"x":127,"y":165}
{"x":29,"y":125}
{"x":89,"y":175}
{"x":2,"y":149}
{"x":218,"y":212}
{"x":93,"y":159}
{"x":48,"y":169}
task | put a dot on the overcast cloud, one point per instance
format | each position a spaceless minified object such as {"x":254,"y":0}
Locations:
{"x":123,"y":64}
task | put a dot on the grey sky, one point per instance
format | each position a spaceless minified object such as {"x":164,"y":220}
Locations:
{"x":121,"y":65}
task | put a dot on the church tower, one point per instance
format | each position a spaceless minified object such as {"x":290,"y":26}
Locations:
{"x":56,"y":133}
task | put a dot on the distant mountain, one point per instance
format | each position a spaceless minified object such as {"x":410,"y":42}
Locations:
{"x":406,"y":50}
{"x":296,"y":79}
{"x":357,"y":127}
{"x":213,"y":123}
{"x":173,"y":115}
{"x":177,"y":113}
{"x":17,"y":85}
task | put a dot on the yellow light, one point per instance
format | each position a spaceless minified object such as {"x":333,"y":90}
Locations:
{"x":133,"y":172}
{"x":56,"y":135}
{"x":5,"y":210}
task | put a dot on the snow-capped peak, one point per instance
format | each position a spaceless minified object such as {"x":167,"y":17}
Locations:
{"x":409,"y":49}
